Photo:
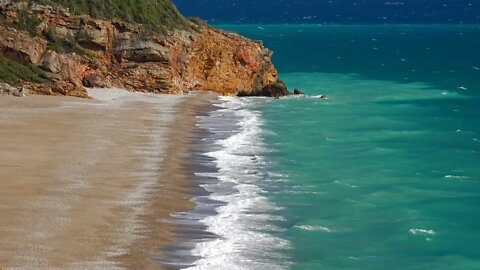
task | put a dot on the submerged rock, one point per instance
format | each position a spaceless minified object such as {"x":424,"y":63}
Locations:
{"x":277,"y":89}
{"x":298,"y":92}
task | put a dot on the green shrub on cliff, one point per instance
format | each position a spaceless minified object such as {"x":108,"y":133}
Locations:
{"x":60,"y":45}
{"x":25,"y":22}
{"x":153,"y":14}
{"x":13,"y":72}
{"x":198,"y":22}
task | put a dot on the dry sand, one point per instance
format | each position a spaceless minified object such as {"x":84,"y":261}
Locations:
{"x":85,"y":184}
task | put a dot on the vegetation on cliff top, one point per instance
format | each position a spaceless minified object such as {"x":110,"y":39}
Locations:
{"x":29,"y":23}
{"x":153,"y":14}
{"x":25,"y":22}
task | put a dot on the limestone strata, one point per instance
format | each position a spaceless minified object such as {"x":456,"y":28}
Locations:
{"x":122,"y":55}
{"x":227,"y":63}
{"x":20,"y":46}
{"x":59,"y":88}
{"x":67,"y":67}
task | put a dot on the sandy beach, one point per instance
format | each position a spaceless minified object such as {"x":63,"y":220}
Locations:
{"x":85,"y":184}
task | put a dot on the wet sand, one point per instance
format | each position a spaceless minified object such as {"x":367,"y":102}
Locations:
{"x":87,"y":184}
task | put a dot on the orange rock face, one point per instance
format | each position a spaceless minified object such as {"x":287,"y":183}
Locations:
{"x":120,"y":55}
{"x":67,"y":67}
{"x":20,"y":46}
{"x":228,"y":63}
{"x":59,"y":88}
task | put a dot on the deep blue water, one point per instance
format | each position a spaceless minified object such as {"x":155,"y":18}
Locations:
{"x":443,"y":55}
{"x":333,"y":11}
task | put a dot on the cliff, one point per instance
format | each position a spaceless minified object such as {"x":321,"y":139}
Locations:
{"x":60,"y":53}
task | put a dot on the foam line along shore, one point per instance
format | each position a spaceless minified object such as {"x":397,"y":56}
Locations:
{"x":231,"y":225}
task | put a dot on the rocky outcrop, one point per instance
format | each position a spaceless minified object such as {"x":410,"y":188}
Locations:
{"x":65,"y":67}
{"x":6,"y":89}
{"x":20,"y":46}
{"x":277,"y":89}
{"x":228,"y":63}
{"x":298,"y":92}
{"x":93,"y":35}
{"x":12,"y":5}
{"x":96,"y":80}
{"x":117,"y":54}
{"x":55,"y":89}
{"x":141,"y":51}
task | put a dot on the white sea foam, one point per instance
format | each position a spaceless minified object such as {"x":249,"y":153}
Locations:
{"x":456,"y":177}
{"x":422,"y":231}
{"x":345,"y":184}
{"x":318,"y":97}
{"x":243,"y":224}
{"x":315,"y":228}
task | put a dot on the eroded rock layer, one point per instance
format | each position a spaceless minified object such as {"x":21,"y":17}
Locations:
{"x":111,"y":53}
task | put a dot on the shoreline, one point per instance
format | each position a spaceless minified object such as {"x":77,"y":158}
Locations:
{"x":94,"y":180}
{"x":188,"y":223}
{"x":177,"y":165}
{"x":230,"y":224}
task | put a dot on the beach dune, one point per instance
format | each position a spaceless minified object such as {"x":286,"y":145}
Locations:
{"x":86,"y":184}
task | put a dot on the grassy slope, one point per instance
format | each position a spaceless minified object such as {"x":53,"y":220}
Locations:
{"x":153,"y":14}
{"x":13,"y":72}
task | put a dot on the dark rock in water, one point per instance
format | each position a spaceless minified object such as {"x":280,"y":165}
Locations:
{"x":320,"y":97}
{"x":298,"y":92}
{"x":278,"y":89}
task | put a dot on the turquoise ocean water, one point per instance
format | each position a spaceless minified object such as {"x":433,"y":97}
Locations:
{"x":385,"y":174}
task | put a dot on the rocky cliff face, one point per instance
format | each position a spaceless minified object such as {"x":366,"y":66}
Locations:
{"x":116,"y":54}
